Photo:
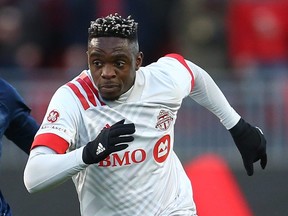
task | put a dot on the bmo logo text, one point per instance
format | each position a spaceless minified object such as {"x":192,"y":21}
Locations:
{"x":162,"y":149}
{"x":160,"y":153}
{"x":113,"y":160}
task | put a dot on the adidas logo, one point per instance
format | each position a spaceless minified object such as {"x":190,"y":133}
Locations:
{"x":100,"y":149}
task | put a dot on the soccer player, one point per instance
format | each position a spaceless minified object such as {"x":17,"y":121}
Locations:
{"x":111,"y":129}
{"x":16,"y":124}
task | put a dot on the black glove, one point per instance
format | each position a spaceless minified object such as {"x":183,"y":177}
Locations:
{"x":251,"y":143}
{"x":106,"y":142}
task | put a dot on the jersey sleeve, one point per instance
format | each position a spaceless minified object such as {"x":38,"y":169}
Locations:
{"x":54,"y":169}
{"x":185,"y":68}
{"x":208,"y":94}
{"x":172,"y":73}
{"x":58,"y":128}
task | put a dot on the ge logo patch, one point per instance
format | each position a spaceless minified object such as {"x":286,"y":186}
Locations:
{"x":53,"y":116}
{"x":161,"y":149}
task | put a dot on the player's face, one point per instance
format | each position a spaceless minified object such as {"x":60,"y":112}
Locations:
{"x":113,"y":63}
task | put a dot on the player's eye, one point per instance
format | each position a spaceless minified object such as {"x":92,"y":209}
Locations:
{"x":97,"y":63}
{"x":119,"y":64}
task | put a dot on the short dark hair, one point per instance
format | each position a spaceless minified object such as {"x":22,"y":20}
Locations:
{"x":113,"y":26}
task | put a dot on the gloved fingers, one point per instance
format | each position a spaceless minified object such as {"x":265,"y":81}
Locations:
{"x":249,"y":167}
{"x":121,"y":122}
{"x":118,"y":147}
{"x":262,"y":154}
{"x":248,"y":164}
{"x":123,"y":139}
{"x":263,"y":161}
{"x":124,"y":129}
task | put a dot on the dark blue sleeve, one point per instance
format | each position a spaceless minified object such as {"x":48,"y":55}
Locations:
{"x":22,"y":127}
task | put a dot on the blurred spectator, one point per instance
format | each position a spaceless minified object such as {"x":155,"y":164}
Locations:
{"x":104,"y":7}
{"x":29,"y":56}
{"x":155,"y":33}
{"x":258,"y":38}
{"x":10,"y":34}
{"x":20,"y":38}
{"x":198,"y":30}
{"x":65,"y":24}
{"x":75,"y":59}
{"x":38,"y":35}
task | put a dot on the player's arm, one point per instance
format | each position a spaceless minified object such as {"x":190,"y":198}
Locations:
{"x":206,"y":93}
{"x":45,"y":168}
{"x":50,"y":163}
{"x":22,"y":130}
{"x":249,"y":139}
{"x":22,"y":127}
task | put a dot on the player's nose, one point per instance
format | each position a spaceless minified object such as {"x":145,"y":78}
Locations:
{"x":108,"y":72}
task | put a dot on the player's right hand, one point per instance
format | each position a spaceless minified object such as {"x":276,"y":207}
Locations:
{"x":108,"y":141}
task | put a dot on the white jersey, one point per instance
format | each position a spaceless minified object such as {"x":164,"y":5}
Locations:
{"x":147,"y":178}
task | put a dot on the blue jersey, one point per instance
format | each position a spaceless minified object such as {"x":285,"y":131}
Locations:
{"x":16,"y":124}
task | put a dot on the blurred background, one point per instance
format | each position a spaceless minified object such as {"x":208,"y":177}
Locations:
{"x":242,"y":44}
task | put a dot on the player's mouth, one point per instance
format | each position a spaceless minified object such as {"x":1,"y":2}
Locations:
{"x":107,"y":88}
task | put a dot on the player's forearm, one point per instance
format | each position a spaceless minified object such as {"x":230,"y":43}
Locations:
{"x":208,"y":94}
{"x":45,"y":169}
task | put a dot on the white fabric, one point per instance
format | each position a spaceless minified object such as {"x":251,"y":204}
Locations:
{"x":147,"y":178}
{"x":208,"y":94}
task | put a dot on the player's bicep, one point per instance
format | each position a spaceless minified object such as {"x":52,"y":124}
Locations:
{"x":207,"y":93}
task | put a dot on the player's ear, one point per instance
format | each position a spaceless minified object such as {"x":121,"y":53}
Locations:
{"x":139,"y":60}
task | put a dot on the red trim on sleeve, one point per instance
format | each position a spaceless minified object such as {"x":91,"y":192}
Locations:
{"x":81,"y":97}
{"x":87,"y":90}
{"x":183,"y":62}
{"x":53,"y":141}
{"x":87,"y":80}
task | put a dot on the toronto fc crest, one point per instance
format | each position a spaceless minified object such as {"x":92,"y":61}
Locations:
{"x":164,"y":120}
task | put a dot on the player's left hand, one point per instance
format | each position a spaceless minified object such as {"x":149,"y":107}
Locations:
{"x":251,"y":143}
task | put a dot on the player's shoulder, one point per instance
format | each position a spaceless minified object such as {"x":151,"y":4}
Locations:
{"x":10,"y":96}
{"x":172,"y":65}
{"x":173,"y":58}
{"x":6,"y":87}
{"x":81,"y":90}
{"x":73,"y":84}
{"x":3,"y":82}
{"x":172,"y":61}
{"x":64,"y":93}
